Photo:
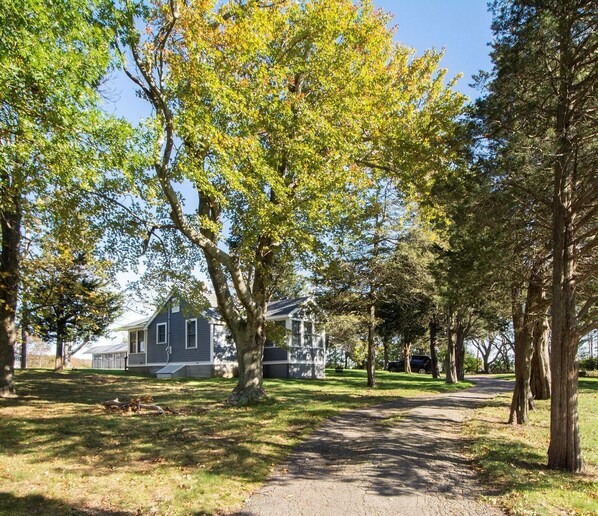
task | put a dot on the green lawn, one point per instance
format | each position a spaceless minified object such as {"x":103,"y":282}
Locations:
{"x":61,"y":452}
{"x":512,"y":459}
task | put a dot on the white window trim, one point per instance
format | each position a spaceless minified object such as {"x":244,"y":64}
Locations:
{"x":165,"y":333}
{"x":175,"y":309}
{"x":186,"y":330}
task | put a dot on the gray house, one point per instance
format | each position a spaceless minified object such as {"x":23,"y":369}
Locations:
{"x":173,"y":342}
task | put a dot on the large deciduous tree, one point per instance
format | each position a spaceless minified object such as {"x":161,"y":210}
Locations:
{"x":273,"y":115}
{"x":52,"y":58}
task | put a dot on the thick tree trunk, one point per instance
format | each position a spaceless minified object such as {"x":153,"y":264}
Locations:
{"x":407,"y":356}
{"x":433,"y":338}
{"x":250,"y":359}
{"x":540,"y":375}
{"x":564,"y":451}
{"x":371,"y":362}
{"x":59,"y":360}
{"x":10,"y":273}
{"x":451,"y":353}
{"x":250,"y":385}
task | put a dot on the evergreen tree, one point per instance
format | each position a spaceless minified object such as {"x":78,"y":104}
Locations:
{"x":70,"y":303}
{"x":544,"y":85}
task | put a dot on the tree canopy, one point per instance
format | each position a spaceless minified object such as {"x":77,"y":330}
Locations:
{"x":275,"y":119}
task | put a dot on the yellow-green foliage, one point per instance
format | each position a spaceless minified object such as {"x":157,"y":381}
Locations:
{"x":286,"y":112}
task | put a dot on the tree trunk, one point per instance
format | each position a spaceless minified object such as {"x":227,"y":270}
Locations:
{"x":24,"y":342}
{"x":486,"y":355}
{"x":451,"y":353}
{"x":433,"y":338}
{"x":407,"y":356}
{"x":564,"y":451}
{"x":250,"y":359}
{"x":460,"y":351}
{"x":540,"y":376}
{"x":59,"y":360}
{"x":522,"y":399}
{"x":371,"y":362}
{"x":10,"y":225}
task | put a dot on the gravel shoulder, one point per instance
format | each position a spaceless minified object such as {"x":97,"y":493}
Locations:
{"x":402,"y":457}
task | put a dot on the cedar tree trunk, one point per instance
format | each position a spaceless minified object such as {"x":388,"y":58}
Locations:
{"x":433,"y":338}
{"x":523,"y":328}
{"x":451,"y":353}
{"x":460,"y":351}
{"x":540,"y":376}
{"x":371,"y":362}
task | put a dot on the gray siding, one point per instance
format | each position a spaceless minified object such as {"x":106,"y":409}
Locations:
{"x":224,"y":347}
{"x":136,"y":359}
{"x":175,"y":337}
{"x":156,"y":353}
{"x":308,"y":371}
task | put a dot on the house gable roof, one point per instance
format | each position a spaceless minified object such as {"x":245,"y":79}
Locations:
{"x":276,"y":310}
{"x":286,"y":307}
{"x":134,"y":325}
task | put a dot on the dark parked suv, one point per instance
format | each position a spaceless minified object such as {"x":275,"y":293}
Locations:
{"x":419,"y":364}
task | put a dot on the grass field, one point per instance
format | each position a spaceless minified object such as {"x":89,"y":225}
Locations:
{"x":61,"y":452}
{"x":512,"y":459}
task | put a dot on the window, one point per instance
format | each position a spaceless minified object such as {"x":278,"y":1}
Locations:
{"x":191,"y":334}
{"x":309,"y":333}
{"x":161,"y":333}
{"x":132,"y":342}
{"x":296,"y":333}
{"x":141,"y":341}
{"x":137,"y":341}
{"x":175,"y":308}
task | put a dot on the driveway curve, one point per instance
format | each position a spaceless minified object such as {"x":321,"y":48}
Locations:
{"x":403,"y":457}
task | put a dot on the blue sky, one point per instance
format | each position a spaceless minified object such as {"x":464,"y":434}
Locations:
{"x":462,"y":27}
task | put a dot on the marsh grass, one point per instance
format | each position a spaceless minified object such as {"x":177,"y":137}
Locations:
{"x":512,"y":459}
{"x":61,"y":452}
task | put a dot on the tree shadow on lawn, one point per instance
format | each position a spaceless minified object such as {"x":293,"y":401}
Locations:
{"x":422,"y":453}
{"x":588,"y":384}
{"x":38,"y":504}
{"x":66,"y":423}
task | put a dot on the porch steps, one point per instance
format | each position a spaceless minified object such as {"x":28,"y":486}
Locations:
{"x":171,"y":371}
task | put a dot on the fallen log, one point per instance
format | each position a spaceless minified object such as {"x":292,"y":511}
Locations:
{"x":136,"y":405}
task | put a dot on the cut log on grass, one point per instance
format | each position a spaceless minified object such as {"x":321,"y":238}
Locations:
{"x":136,"y":406}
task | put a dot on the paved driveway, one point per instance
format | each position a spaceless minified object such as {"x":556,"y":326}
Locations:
{"x":403,"y":457}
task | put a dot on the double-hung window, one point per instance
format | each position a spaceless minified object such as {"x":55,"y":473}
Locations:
{"x":191,"y":334}
{"x":296,"y":332}
{"x":161,"y":333}
{"x":137,"y":341}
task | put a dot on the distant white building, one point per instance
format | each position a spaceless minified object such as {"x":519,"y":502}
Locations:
{"x":111,"y":356}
